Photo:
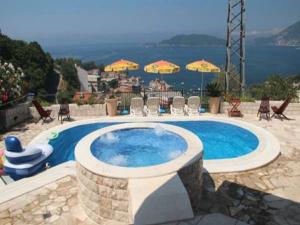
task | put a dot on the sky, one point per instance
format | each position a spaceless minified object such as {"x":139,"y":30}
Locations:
{"x":72,"y":21}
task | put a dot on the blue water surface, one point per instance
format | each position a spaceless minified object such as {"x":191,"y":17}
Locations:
{"x":138,"y":147}
{"x":220,"y":140}
{"x":261,"y":61}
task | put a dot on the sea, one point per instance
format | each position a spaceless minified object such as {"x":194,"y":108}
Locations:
{"x":260,"y":61}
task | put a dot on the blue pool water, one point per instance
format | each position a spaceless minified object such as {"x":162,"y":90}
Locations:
{"x":138,"y":147}
{"x":220,"y":140}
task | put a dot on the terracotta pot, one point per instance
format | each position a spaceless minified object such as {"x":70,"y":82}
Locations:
{"x":214,"y":104}
{"x":111,"y":106}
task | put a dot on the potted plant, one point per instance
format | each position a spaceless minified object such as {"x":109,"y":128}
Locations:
{"x":214,"y":93}
{"x":111,"y":105}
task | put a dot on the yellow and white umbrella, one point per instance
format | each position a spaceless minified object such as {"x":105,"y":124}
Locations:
{"x":162,"y":67}
{"x":121,"y":66}
{"x":203,"y":67}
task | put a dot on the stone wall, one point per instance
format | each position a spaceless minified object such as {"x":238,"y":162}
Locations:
{"x":252,"y":107}
{"x":41,"y":206}
{"x":75,"y":110}
{"x":14,"y":115}
{"x":191,"y":177}
{"x":105,"y":200}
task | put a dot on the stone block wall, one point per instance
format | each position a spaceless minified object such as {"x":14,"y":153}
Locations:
{"x":105,"y":200}
{"x":14,"y":115}
{"x":75,"y":110}
{"x":41,"y":206}
{"x":191,"y":177}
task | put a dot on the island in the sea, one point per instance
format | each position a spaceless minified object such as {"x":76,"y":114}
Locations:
{"x":189,"y":40}
{"x":289,"y":36}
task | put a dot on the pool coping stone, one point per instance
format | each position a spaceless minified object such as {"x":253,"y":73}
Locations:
{"x":266,"y":152}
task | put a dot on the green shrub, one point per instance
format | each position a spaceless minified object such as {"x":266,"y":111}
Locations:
{"x":213,"y":89}
{"x":64,"y":96}
{"x":80,"y":102}
{"x":247,"y":98}
{"x":276,"y":87}
{"x":91,"y":100}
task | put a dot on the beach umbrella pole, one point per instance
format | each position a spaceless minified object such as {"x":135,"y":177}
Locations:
{"x":201,"y":85}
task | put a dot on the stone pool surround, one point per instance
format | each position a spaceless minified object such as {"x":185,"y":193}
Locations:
{"x":108,"y":195}
{"x":280,"y":179}
{"x":267,"y":151}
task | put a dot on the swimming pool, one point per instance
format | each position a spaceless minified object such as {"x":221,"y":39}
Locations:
{"x":220,"y":140}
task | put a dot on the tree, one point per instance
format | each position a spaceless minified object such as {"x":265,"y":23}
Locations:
{"x":36,"y":64}
{"x":69,"y":73}
{"x":11,"y":82}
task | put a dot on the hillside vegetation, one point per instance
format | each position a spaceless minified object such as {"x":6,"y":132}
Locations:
{"x":35,"y":63}
{"x":38,"y":67}
{"x":288,"y":37}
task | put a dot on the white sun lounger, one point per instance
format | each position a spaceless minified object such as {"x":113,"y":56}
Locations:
{"x":193,"y":105}
{"x":137,"y":107}
{"x":178,"y":106}
{"x":153,"y":106}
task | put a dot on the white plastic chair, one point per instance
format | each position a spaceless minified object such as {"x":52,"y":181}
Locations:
{"x":137,"y":107}
{"x":153,"y":108}
{"x":178,"y":106}
{"x":193,"y":105}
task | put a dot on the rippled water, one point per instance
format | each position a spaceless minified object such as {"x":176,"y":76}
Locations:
{"x":220,"y":140}
{"x":138,"y":147}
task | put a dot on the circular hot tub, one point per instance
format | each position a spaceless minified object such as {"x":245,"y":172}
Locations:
{"x":138,"y":147}
{"x":109,"y":158}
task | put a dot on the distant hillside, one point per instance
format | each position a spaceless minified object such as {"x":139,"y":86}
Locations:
{"x":191,"y":40}
{"x":288,"y":37}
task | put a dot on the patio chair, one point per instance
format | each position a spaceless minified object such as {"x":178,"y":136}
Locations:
{"x":193,"y":105}
{"x":64,"y":111}
{"x":44,"y":114}
{"x":137,"y":107}
{"x":264,"y":107}
{"x":234,"y":111}
{"x":153,"y":108}
{"x":178,"y":105}
{"x":278,"y":112}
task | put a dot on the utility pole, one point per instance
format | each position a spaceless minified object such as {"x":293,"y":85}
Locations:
{"x":235,"y":47}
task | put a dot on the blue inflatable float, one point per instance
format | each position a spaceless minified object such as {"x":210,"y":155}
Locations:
{"x":25,"y":162}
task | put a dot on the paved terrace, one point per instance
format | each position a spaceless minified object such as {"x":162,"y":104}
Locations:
{"x":268,"y":196}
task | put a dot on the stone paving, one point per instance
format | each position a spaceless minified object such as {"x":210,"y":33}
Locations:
{"x":45,"y":205}
{"x":266,"y":196}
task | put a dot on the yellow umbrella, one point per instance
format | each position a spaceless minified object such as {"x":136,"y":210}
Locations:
{"x":203,"y":67}
{"x":162,"y":67}
{"x":121,"y":65}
